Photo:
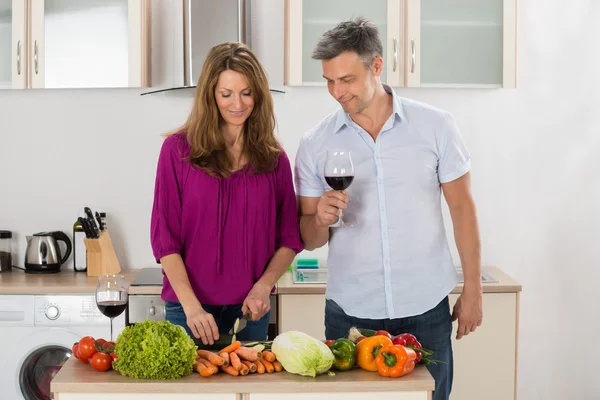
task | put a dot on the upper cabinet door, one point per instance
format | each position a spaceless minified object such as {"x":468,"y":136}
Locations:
{"x":308,"y":20}
{"x":460,"y":43}
{"x":13,"y":48}
{"x":89,"y":43}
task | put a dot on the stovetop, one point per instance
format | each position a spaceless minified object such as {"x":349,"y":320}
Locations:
{"x":148,"y":277}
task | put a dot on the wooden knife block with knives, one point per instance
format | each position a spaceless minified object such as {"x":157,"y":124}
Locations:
{"x":101,"y":256}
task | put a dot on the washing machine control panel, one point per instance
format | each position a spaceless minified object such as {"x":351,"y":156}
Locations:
{"x":68,"y":310}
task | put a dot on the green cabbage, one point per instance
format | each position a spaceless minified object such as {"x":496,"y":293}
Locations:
{"x":155,"y":350}
{"x":302,"y":354}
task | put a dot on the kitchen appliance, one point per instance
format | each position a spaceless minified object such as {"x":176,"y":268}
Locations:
{"x":41,"y":331}
{"x":43,"y":254}
{"x":5,"y":251}
{"x":151,"y":306}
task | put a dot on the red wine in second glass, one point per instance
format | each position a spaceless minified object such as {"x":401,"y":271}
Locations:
{"x":339,"y":182}
{"x":111,"y":309}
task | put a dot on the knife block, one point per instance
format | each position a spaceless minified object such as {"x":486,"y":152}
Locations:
{"x":101,"y":256}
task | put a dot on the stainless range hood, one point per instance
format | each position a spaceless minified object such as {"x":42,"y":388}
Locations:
{"x":207,"y":23}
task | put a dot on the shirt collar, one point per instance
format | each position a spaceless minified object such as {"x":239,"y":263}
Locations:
{"x":343,"y":118}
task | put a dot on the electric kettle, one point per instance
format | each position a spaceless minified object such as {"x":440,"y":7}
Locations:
{"x":43,"y":252}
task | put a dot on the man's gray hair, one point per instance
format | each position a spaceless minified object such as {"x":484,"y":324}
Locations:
{"x":358,"y":35}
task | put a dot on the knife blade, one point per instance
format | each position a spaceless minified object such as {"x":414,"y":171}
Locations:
{"x":240,"y":323}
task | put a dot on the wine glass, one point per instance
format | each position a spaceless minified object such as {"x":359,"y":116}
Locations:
{"x":111,"y":297}
{"x":339,"y":174}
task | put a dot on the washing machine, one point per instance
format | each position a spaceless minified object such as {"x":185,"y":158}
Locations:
{"x":36,"y":335}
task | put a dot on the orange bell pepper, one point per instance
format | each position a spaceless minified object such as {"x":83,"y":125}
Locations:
{"x":368,"y":348}
{"x":395,"y":361}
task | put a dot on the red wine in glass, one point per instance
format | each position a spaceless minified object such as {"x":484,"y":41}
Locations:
{"x":111,"y":309}
{"x":111,"y":297}
{"x":339,"y":174}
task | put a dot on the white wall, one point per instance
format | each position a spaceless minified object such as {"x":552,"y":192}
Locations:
{"x":535,"y":162}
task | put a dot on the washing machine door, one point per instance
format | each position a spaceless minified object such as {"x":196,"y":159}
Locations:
{"x":44,"y":353}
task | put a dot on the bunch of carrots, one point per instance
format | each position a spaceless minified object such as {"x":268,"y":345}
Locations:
{"x":235,"y":360}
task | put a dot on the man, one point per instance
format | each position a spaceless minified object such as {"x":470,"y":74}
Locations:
{"x":391,"y":268}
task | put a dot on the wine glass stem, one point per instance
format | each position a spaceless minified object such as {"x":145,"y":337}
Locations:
{"x":340,"y":212}
{"x":111,"y":330}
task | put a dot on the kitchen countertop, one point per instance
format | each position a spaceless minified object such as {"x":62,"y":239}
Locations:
{"x":76,"y":377}
{"x":505,"y":284}
{"x":65,"y":282}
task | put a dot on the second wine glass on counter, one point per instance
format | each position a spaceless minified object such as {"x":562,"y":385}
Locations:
{"x":111,"y":297}
{"x":339,"y":174}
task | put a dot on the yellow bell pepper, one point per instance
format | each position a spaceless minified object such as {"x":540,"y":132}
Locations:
{"x":367,"y":349}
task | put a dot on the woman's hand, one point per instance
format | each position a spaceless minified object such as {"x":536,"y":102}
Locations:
{"x":202,"y":324}
{"x":258,"y":301}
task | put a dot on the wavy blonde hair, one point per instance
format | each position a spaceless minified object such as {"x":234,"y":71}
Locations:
{"x":202,"y":128}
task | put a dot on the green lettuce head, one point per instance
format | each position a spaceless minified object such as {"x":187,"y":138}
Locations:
{"x":302,"y":354}
{"x":155,"y":350}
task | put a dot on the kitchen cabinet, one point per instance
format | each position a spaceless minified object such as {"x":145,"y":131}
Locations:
{"x":485,"y":362}
{"x":307,"y":20}
{"x":460,"y":43}
{"x":12,"y":44}
{"x":427,"y":43}
{"x":75,"y":43}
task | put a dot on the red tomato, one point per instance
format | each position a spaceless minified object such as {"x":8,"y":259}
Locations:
{"x":358,"y":339}
{"x":101,"y":362}
{"x":329,"y":342}
{"x":100,"y":342}
{"x":81,"y":358}
{"x":75,"y":350}
{"x":383,"y":333}
{"x":113,"y":356}
{"x":87,"y":346}
{"x":108,"y":347}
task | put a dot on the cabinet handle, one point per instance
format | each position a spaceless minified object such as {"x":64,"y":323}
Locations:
{"x":395,"y":54}
{"x":241,"y":21}
{"x":413,"y":56}
{"x":19,"y":57}
{"x":35,"y":56}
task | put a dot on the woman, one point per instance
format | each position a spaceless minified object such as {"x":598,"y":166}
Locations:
{"x":224,"y":222}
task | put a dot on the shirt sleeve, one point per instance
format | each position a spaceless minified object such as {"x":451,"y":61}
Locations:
{"x":454,"y":158}
{"x":288,"y":228}
{"x":165,"y":224}
{"x":308,"y":181}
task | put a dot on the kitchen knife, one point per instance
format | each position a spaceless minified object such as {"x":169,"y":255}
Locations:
{"x":85,"y":227}
{"x":99,"y":219}
{"x":89,"y":229}
{"x":92,"y":221}
{"x":240,"y":323}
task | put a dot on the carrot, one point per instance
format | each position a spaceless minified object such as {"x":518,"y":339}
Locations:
{"x":268,"y":366}
{"x":235,"y":361}
{"x":230,"y":370}
{"x":267,"y":355}
{"x":225,"y":357}
{"x":203,"y":370}
{"x":232,"y":347}
{"x":277,"y":365}
{"x":260,"y":368}
{"x":207,"y":364}
{"x":206,"y":372}
{"x":249,"y":354}
{"x":245,"y":370}
{"x":212,"y":357}
{"x":250,"y":366}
